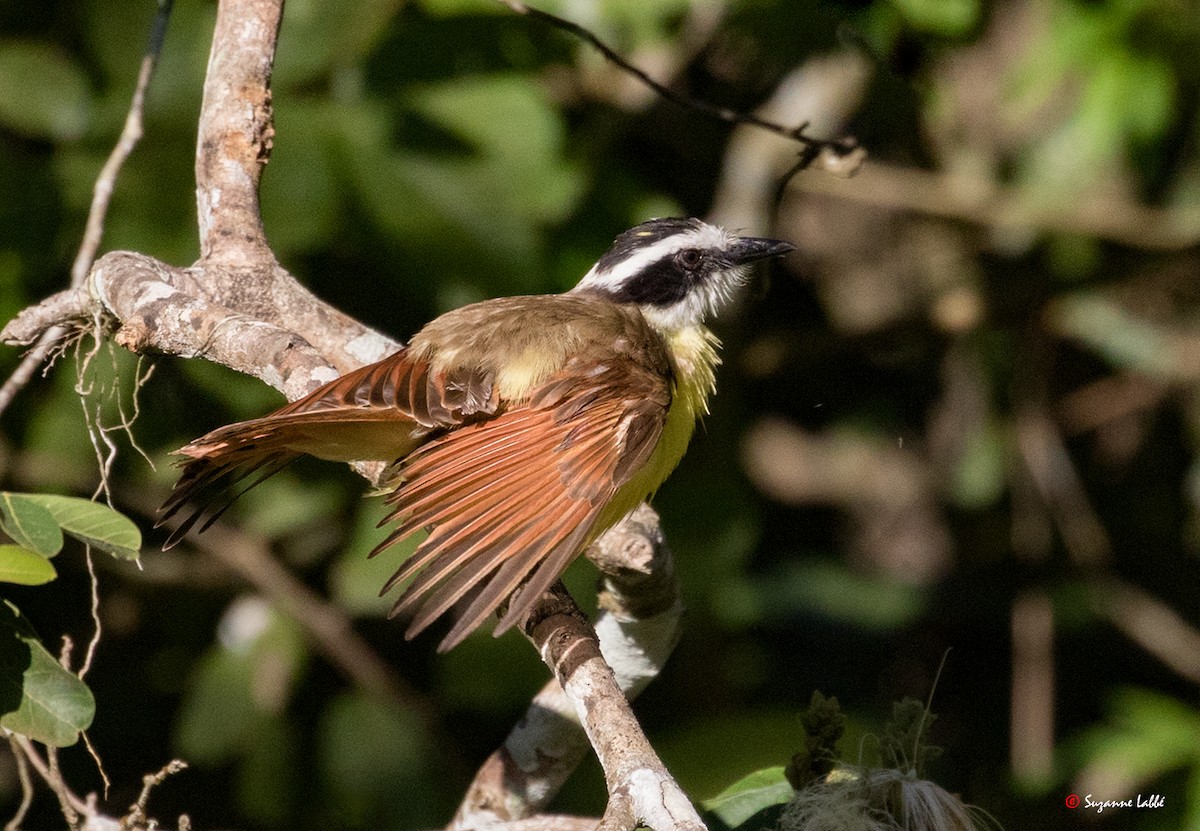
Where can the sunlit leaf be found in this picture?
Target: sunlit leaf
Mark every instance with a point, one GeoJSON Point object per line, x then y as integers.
{"type": "Point", "coordinates": [749, 795]}
{"type": "Point", "coordinates": [24, 567]}
{"type": "Point", "coordinates": [950, 18]}
{"type": "Point", "coordinates": [29, 524]}
{"type": "Point", "coordinates": [510, 121]}
{"type": "Point", "coordinates": [93, 523]}
{"type": "Point", "coordinates": [38, 697]}
{"type": "Point", "coordinates": [42, 92]}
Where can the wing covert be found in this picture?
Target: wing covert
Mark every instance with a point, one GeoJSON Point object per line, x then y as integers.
{"type": "Point", "coordinates": [513, 499]}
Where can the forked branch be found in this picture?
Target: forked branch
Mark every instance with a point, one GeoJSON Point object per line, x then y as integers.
{"type": "Point", "coordinates": [237, 306]}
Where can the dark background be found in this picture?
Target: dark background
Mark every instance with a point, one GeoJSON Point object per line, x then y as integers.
{"type": "Point", "coordinates": [968, 406]}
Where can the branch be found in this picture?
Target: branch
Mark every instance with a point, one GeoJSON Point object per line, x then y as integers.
{"type": "Point", "coordinates": [238, 307]}
{"type": "Point", "coordinates": [236, 134]}
{"type": "Point", "coordinates": [639, 624]}
{"type": "Point", "coordinates": [1150, 623]}
{"type": "Point", "coordinates": [640, 789]}
{"type": "Point", "coordinates": [839, 156]}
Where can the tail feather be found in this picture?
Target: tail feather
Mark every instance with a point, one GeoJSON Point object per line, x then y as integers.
{"type": "Point", "coordinates": [379, 412]}
{"type": "Point", "coordinates": [212, 482]}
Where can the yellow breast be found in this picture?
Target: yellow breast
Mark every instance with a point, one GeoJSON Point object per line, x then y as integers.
{"type": "Point", "coordinates": [693, 353]}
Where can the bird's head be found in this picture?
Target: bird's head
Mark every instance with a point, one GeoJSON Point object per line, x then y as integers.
{"type": "Point", "coordinates": [678, 271]}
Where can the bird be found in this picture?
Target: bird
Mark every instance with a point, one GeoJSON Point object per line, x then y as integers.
{"type": "Point", "coordinates": [516, 430]}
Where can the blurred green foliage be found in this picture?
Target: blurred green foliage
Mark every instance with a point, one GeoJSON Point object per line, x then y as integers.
{"type": "Point", "coordinates": [436, 152]}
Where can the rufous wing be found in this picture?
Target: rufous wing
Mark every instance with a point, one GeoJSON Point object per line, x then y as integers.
{"type": "Point", "coordinates": [511, 500]}
{"type": "Point", "coordinates": [379, 412]}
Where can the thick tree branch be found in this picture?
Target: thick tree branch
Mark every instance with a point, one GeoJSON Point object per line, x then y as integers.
{"type": "Point", "coordinates": [237, 132]}
{"type": "Point", "coordinates": [639, 624]}
{"type": "Point", "coordinates": [237, 306]}
{"type": "Point", "coordinates": [640, 789]}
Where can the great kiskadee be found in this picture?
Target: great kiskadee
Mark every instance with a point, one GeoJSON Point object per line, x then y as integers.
{"type": "Point", "coordinates": [520, 428]}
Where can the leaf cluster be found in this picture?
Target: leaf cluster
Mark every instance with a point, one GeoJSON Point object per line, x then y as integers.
{"type": "Point", "coordinates": [43, 699]}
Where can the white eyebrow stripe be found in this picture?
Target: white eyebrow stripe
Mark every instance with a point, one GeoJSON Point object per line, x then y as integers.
{"type": "Point", "coordinates": [704, 237]}
{"type": "Point", "coordinates": [623, 270]}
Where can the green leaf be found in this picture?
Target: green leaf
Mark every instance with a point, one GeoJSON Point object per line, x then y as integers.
{"type": "Point", "coordinates": [320, 37]}
{"type": "Point", "coordinates": [29, 524]}
{"type": "Point", "coordinates": [25, 567]}
{"type": "Point", "coordinates": [38, 697]}
{"type": "Point", "coordinates": [42, 93]}
{"type": "Point", "coordinates": [749, 795]}
{"type": "Point", "coordinates": [503, 178]}
{"type": "Point", "coordinates": [1146, 735]}
{"type": "Point", "coordinates": [92, 523]}
{"type": "Point", "coordinates": [951, 18]}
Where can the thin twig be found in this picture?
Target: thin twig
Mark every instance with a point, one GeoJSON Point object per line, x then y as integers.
{"type": "Point", "coordinates": [72, 806]}
{"type": "Point", "coordinates": [137, 811]}
{"type": "Point", "coordinates": [101, 196]}
{"type": "Point", "coordinates": [23, 776]}
{"type": "Point", "coordinates": [91, 749]}
{"type": "Point", "coordinates": [811, 148]}
{"type": "Point", "coordinates": [94, 642]}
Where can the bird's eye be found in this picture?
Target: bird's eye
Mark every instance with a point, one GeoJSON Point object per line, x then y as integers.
{"type": "Point", "coordinates": [690, 257]}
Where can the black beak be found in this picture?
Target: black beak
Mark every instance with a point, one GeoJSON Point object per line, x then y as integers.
{"type": "Point", "coordinates": [749, 249]}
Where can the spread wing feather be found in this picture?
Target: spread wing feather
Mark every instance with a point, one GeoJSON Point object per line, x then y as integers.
{"type": "Point", "coordinates": [514, 499]}
{"type": "Point", "coordinates": [511, 490]}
